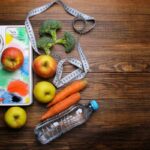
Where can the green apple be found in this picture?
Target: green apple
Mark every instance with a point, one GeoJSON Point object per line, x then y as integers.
{"type": "Point", "coordinates": [44, 91]}
{"type": "Point", "coordinates": [15, 117]}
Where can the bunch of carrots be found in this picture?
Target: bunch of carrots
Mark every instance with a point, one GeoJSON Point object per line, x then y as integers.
{"type": "Point", "coordinates": [65, 98]}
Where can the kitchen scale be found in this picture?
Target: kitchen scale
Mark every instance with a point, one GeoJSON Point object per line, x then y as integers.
{"type": "Point", "coordinates": [16, 87]}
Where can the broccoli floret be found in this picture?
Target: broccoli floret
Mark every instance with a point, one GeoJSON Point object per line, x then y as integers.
{"type": "Point", "coordinates": [50, 27]}
{"type": "Point", "coordinates": [68, 41]}
{"type": "Point", "coordinates": [45, 43]}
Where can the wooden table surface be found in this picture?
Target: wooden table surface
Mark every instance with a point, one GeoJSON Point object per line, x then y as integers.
{"type": "Point", "coordinates": [118, 50]}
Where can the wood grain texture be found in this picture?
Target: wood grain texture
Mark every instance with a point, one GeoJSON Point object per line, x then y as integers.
{"type": "Point", "coordinates": [118, 50]}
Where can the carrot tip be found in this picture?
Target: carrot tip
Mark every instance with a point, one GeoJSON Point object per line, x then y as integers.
{"type": "Point", "coordinates": [49, 105]}
{"type": "Point", "coordinates": [42, 119]}
{"type": "Point", "coordinates": [85, 81]}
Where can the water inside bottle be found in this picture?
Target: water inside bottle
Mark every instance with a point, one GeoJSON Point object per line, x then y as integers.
{"type": "Point", "coordinates": [65, 121]}
{"type": "Point", "coordinates": [60, 124]}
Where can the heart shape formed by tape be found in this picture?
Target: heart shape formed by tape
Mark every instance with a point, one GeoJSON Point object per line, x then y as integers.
{"type": "Point", "coordinates": [82, 69]}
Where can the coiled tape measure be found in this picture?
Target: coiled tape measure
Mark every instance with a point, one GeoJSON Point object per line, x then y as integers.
{"type": "Point", "coordinates": [82, 65]}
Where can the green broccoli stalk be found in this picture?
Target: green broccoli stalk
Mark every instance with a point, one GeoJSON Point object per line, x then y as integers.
{"type": "Point", "coordinates": [50, 27]}
{"type": "Point", "coordinates": [68, 41]}
{"type": "Point", "coordinates": [45, 43]}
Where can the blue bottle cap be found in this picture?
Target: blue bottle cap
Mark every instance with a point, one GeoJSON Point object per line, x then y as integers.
{"type": "Point", "coordinates": [94, 105]}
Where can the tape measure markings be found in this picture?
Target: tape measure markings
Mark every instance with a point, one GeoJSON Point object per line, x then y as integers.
{"type": "Point", "coordinates": [83, 65]}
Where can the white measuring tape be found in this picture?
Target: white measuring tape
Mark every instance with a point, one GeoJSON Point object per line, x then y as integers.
{"type": "Point", "coordinates": [82, 65]}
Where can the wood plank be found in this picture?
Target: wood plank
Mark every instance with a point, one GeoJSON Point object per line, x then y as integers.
{"type": "Point", "coordinates": [115, 85]}
{"type": "Point", "coordinates": [115, 122]}
{"type": "Point", "coordinates": [106, 140]}
{"type": "Point", "coordinates": [102, 6]}
{"type": "Point", "coordinates": [113, 113]}
{"type": "Point", "coordinates": [121, 58]}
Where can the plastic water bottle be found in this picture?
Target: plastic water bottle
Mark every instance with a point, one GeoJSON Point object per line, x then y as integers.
{"type": "Point", "coordinates": [65, 121]}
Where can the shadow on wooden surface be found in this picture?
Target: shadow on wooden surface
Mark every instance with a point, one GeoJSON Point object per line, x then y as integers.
{"type": "Point", "coordinates": [118, 52]}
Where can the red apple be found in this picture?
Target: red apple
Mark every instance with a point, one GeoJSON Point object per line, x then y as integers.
{"type": "Point", "coordinates": [45, 66]}
{"type": "Point", "coordinates": [12, 58]}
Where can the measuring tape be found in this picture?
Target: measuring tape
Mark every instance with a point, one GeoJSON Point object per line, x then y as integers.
{"type": "Point", "coordinates": [82, 64]}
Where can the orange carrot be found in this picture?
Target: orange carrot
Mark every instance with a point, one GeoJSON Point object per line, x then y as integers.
{"type": "Point", "coordinates": [74, 87]}
{"type": "Point", "coordinates": [61, 106]}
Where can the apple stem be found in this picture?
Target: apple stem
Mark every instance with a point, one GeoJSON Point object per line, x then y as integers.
{"type": "Point", "coordinates": [16, 117]}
